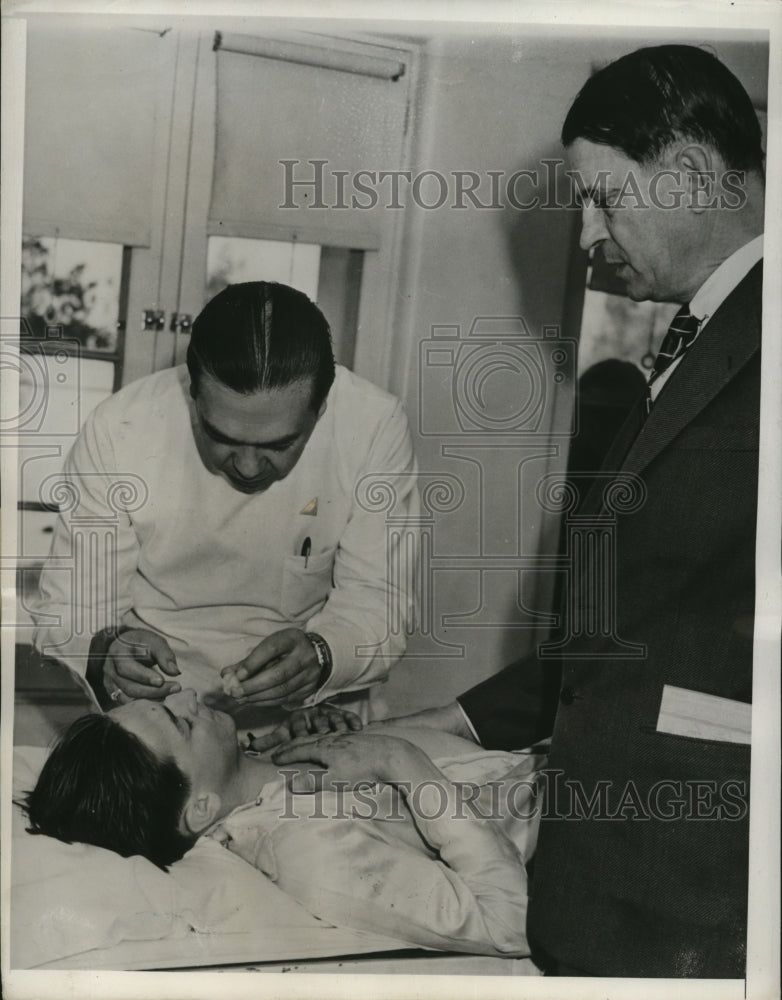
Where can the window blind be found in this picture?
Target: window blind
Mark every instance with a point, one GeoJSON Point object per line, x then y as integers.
{"type": "Point", "coordinates": [91, 105]}
{"type": "Point", "coordinates": [291, 139]}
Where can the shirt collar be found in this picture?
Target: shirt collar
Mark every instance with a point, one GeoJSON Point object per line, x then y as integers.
{"type": "Point", "coordinates": [720, 283]}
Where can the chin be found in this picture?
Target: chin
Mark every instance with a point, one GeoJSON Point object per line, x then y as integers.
{"type": "Point", "coordinates": [249, 489]}
{"type": "Point", "coordinates": [640, 289]}
{"type": "Point", "coordinates": [638, 292]}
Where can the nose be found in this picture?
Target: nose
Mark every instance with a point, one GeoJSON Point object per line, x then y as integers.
{"type": "Point", "coordinates": [593, 228]}
{"type": "Point", "coordinates": [183, 701]}
{"type": "Point", "coordinates": [249, 463]}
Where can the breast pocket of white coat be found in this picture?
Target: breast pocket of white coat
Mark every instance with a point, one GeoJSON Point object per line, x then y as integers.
{"type": "Point", "coordinates": [305, 587]}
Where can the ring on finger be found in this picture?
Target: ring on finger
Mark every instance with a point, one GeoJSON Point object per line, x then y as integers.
{"type": "Point", "coordinates": [115, 695]}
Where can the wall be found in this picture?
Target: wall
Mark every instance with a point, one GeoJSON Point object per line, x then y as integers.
{"type": "Point", "coordinates": [496, 103]}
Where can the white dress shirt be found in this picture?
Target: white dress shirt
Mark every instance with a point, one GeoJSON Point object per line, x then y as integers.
{"type": "Point", "coordinates": [713, 292]}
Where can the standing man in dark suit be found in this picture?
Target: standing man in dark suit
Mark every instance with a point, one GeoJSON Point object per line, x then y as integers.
{"type": "Point", "coordinates": [641, 867]}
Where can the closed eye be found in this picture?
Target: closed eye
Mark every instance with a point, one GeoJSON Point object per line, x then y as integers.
{"type": "Point", "coordinates": [178, 719]}
{"type": "Point", "coordinates": [278, 449]}
{"type": "Point", "coordinates": [281, 444]}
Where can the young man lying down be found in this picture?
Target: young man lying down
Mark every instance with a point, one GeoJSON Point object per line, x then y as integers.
{"type": "Point", "coordinates": [372, 834]}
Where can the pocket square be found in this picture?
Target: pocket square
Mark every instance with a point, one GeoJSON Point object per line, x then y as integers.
{"type": "Point", "coordinates": [704, 716]}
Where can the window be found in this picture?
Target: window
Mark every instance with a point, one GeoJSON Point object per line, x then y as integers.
{"type": "Point", "coordinates": [330, 276]}
{"type": "Point", "coordinates": [75, 285]}
{"type": "Point", "coordinates": [71, 339]}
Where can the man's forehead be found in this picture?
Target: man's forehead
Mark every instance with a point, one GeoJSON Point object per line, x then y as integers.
{"type": "Point", "coordinates": [143, 718]}
{"type": "Point", "coordinates": [123, 712]}
{"type": "Point", "coordinates": [291, 395]}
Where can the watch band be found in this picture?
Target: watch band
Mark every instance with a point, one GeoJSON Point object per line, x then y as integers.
{"type": "Point", "coordinates": [325, 662]}
{"type": "Point", "coordinates": [323, 654]}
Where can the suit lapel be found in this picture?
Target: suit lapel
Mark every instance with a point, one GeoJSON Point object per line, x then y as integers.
{"type": "Point", "coordinates": [729, 340]}
{"type": "Point", "coordinates": [727, 343]}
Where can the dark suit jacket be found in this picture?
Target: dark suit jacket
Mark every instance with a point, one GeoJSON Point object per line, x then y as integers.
{"type": "Point", "coordinates": [638, 894]}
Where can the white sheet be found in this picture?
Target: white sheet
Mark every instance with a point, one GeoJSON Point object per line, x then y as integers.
{"type": "Point", "coordinates": [74, 905]}
{"type": "Point", "coordinates": [78, 906]}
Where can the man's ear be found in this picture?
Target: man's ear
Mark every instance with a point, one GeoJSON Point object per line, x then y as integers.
{"type": "Point", "coordinates": [322, 409]}
{"type": "Point", "coordinates": [699, 165]}
{"type": "Point", "coordinates": [201, 811]}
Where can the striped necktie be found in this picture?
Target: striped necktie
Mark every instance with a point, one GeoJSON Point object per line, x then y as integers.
{"type": "Point", "coordinates": [680, 336]}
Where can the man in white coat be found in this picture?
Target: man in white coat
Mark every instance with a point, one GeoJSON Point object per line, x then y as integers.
{"type": "Point", "coordinates": [241, 561]}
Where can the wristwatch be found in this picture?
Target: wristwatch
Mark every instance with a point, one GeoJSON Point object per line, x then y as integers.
{"type": "Point", "coordinates": [325, 662]}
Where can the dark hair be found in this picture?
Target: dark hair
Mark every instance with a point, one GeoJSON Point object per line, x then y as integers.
{"type": "Point", "coordinates": [101, 785]}
{"type": "Point", "coordinates": [262, 335]}
{"type": "Point", "coordinates": [647, 100]}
